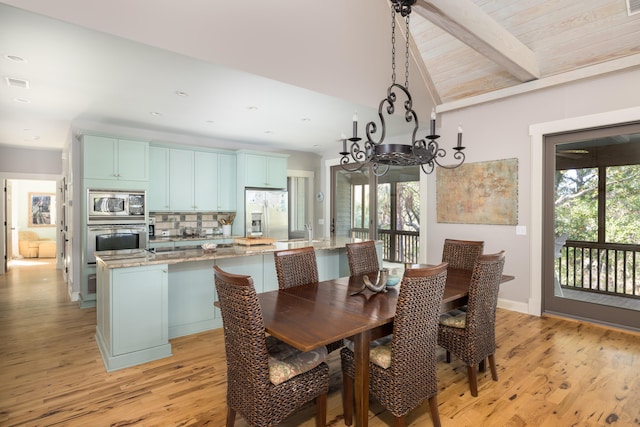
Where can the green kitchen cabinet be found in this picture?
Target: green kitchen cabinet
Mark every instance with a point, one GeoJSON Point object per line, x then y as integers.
{"type": "Point", "coordinates": [132, 314]}
{"type": "Point", "coordinates": [115, 159]}
{"type": "Point", "coordinates": [205, 181]}
{"type": "Point", "coordinates": [265, 171]}
{"type": "Point", "coordinates": [158, 195]}
{"type": "Point", "coordinates": [227, 187]}
{"type": "Point", "coordinates": [181, 180]}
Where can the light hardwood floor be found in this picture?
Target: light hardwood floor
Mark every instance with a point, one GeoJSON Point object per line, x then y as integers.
{"type": "Point", "coordinates": [552, 372]}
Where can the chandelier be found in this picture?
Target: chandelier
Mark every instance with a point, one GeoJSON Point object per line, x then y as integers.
{"type": "Point", "coordinates": [423, 152]}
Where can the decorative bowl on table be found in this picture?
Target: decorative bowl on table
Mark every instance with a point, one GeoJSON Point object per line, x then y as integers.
{"type": "Point", "coordinates": [209, 247]}
{"type": "Point", "coordinates": [392, 281]}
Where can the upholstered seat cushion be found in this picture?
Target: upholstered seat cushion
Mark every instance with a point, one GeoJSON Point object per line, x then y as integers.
{"type": "Point", "coordinates": [379, 351]}
{"type": "Point", "coordinates": [285, 361]}
{"type": "Point", "coordinates": [455, 318]}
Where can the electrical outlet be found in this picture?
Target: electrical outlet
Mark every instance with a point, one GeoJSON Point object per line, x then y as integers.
{"type": "Point", "coordinates": [165, 234]}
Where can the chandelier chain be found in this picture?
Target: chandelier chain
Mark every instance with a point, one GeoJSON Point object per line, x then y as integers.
{"type": "Point", "coordinates": [406, 55]}
{"type": "Point", "coordinates": [393, 45]}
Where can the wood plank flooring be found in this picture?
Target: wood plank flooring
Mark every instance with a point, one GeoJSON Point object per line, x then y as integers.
{"type": "Point", "coordinates": [552, 372]}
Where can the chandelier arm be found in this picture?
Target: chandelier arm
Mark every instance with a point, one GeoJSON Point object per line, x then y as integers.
{"type": "Point", "coordinates": [458, 155]}
{"type": "Point", "coordinates": [378, 171]}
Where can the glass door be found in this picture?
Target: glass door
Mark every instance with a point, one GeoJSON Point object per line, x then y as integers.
{"type": "Point", "coordinates": [353, 203]}
{"type": "Point", "coordinates": [591, 262]}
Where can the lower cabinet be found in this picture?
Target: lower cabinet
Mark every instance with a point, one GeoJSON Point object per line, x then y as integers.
{"type": "Point", "coordinates": [132, 315]}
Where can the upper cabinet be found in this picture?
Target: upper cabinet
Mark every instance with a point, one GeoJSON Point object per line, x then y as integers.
{"type": "Point", "coordinates": [191, 180]}
{"type": "Point", "coordinates": [158, 194]}
{"type": "Point", "coordinates": [263, 170]}
{"type": "Point", "coordinates": [115, 159]}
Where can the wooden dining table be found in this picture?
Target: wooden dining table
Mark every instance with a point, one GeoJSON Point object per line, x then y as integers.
{"type": "Point", "coordinates": [317, 314]}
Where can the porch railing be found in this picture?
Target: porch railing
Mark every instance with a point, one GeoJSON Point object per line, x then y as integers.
{"type": "Point", "coordinates": [606, 268]}
{"type": "Point", "coordinates": [397, 246]}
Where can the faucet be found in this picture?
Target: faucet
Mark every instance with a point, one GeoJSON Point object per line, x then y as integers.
{"type": "Point", "coordinates": [309, 231]}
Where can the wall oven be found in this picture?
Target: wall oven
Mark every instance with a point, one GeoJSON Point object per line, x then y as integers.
{"type": "Point", "coordinates": [114, 237]}
{"type": "Point", "coordinates": [115, 207]}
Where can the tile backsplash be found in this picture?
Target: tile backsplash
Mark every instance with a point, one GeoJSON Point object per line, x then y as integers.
{"type": "Point", "coordinates": [188, 223]}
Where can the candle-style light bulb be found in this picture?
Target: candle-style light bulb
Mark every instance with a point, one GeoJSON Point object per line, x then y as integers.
{"type": "Point", "coordinates": [433, 122]}
{"type": "Point", "coordinates": [343, 138]}
{"type": "Point", "coordinates": [459, 136]}
{"type": "Point", "coordinates": [355, 124]}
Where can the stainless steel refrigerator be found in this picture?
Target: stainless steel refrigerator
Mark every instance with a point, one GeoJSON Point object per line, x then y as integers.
{"type": "Point", "coordinates": [266, 213]}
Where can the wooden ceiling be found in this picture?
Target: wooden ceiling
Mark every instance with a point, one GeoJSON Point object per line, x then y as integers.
{"type": "Point", "coordinates": [473, 47]}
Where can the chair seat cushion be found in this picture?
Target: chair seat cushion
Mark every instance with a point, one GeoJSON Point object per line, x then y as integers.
{"type": "Point", "coordinates": [379, 351]}
{"type": "Point", "coordinates": [285, 361]}
{"type": "Point", "coordinates": [455, 318]}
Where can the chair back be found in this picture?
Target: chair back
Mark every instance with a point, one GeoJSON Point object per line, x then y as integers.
{"type": "Point", "coordinates": [244, 337]}
{"type": "Point", "coordinates": [483, 300]}
{"type": "Point", "coordinates": [415, 330]}
{"type": "Point", "coordinates": [461, 253]}
{"type": "Point", "coordinates": [296, 267]}
{"type": "Point", "coordinates": [362, 257]}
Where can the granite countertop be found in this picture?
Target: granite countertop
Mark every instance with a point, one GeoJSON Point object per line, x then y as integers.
{"type": "Point", "coordinates": [138, 257]}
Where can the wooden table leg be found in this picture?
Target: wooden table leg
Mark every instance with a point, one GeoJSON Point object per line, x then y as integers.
{"type": "Point", "coordinates": [361, 380]}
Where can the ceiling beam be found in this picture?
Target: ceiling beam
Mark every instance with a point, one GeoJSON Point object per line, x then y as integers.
{"type": "Point", "coordinates": [469, 24]}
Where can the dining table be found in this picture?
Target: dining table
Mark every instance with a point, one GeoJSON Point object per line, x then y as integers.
{"type": "Point", "coordinates": [320, 313]}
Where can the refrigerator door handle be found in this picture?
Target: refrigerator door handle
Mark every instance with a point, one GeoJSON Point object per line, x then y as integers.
{"type": "Point", "coordinates": [265, 215]}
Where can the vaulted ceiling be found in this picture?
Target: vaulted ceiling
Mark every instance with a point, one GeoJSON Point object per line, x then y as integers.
{"type": "Point", "coordinates": [283, 75]}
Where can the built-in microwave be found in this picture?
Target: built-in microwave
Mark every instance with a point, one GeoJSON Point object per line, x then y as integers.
{"type": "Point", "coordinates": [111, 207]}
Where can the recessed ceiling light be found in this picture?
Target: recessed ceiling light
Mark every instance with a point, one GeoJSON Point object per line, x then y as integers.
{"type": "Point", "coordinates": [15, 58]}
{"type": "Point", "coordinates": [210, 121]}
{"type": "Point", "coordinates": [252, 108]}
{"type": "Point", "coordinates": [181, 93]}
{"type": "Point", "coordinates": [17, 82]}
{"type": "Point", "coordinates": [22, 100]}
{"type": "Point", "coordinates": [155, 113]}
{"type": "Point", "coordinates": [306, 119]}
{"type": "Point", "coordinates": [268, 131]}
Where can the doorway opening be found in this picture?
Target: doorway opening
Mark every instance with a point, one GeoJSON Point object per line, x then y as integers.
{"type": "Point", "coordinates": [31, 214]}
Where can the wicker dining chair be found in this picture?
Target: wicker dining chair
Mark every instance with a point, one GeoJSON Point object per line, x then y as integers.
{"type": "Point", "coordinates": [257, 388]}
{"type": "Point", "coordinates": [402, 367]}
{"type": "Point", "coordinates": [297, 267]}
{"type": "Point", "coordinates": [362, 257]}
{"type": "Point", "coordinates": [469, 332]}
{"type": "Point", "coordinates": [461, 253]}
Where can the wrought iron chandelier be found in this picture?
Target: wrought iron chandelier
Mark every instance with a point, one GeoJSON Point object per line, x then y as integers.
{"type": "Point", "coordinates": [424, 152]}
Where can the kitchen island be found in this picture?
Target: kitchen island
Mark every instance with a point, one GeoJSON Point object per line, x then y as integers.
{"type": "Point", "coordinates": [144, 299]}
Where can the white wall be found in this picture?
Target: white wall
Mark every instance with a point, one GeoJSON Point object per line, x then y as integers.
{"type": "Point", "coordinates": [501, 130]}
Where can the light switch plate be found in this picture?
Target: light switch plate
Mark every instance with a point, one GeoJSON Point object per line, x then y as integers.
{"type": "Point", "coordinates": [521, 230]}
{"type": "Point", "coordinates": [321, 221]}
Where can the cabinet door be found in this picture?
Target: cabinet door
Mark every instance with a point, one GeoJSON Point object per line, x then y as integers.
{"type": "Point", "coordinates": [227, 188]}
{"type": "Point", "coordinates": [181, 180]}
{"type": "Point", "coordinates": [158, 196]}
{"type": "Point", "coordinates": [139, 308]}
{"type": "Point", "coordinates": [206, 181]}
{"type": "Point", "coordinates": [99, 157]}
{"type": "Point", "coordinates": [133, 160]}
{"type": "Point", "coordinates": [256, 171]}
{"type": "Point", "coordinates": [276, 172]}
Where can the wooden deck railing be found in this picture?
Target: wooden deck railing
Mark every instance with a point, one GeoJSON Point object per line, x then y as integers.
{"type": "Point", "coordinates": [397, 246]}
{"type": "Point", "coordinates": [608, 268]}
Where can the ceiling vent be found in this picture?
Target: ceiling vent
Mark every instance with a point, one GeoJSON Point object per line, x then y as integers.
{"type": "Point", "coordinates": [15, 82]}
{"type": "Point", "coordinates": [633, 7]}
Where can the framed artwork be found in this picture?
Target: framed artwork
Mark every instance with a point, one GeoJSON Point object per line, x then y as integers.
{"type": "Point", "coordinates": [478, 193]}
{"type": "Point", "coordinates": [42, 209]}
